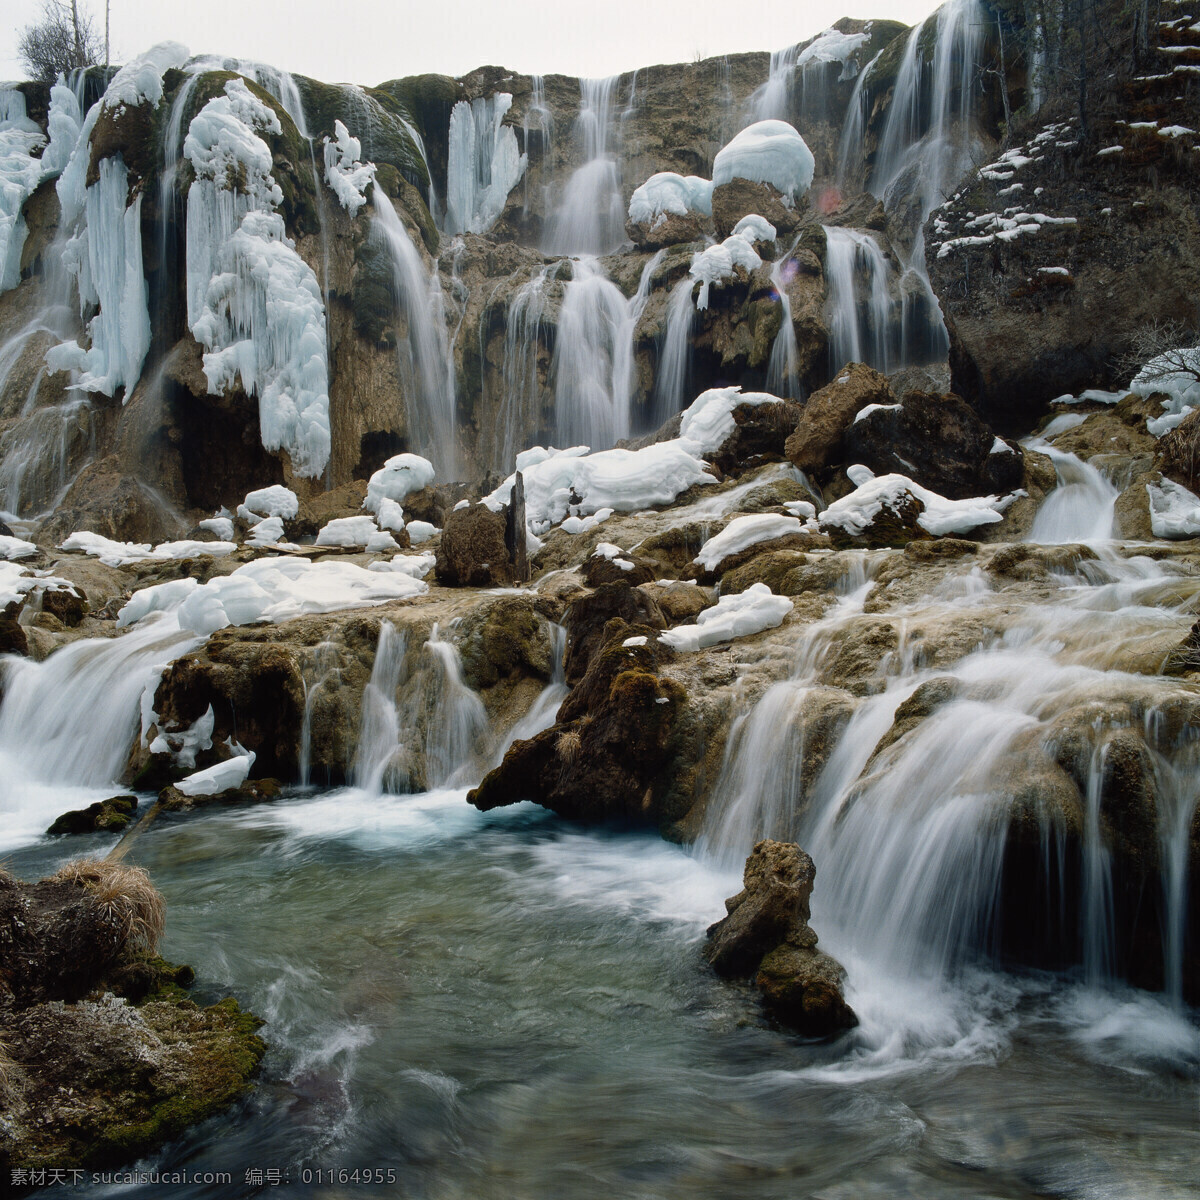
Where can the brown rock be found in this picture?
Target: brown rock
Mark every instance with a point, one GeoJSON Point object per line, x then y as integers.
{"type": "Point", "coordinates": [818, 440]}
{"type": "Point", "coordinates": [472, 551]}
{"type": "Point", "coordinates": [671, 229]}
{"type": "Point", "coordinates": [739, 197]}
{"type": "Point", "coordinates": [587, 617]}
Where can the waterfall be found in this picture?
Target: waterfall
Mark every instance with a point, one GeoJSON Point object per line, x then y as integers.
{"type": "Point", "coordinates": [772, 100]}
{"type": "Point", "coordinates": [41, 453]}
{"type": "Point", "coordinates": [926, 147]}
{"type": "Point", "coordinates": [593, 356]}
{"type": "Point", "coordinates": [539, 121]}
{"type": "Point", "coordinates": [67, 725]}
{"type": "Point", "coordinates": [426, 370]}
{"type": "Point", "coordinates": [783, 367]}
{"type": "Point", "coordinates": [521, 405]}
{"type": "Point", "coordinates": [675, 357]}
{"type": "Point", "coordinates": [910, 832]}
{"type": "Point", "coordinates": [860, 300]}
{"type": "Point", "coordinates": [590, 217]}
{"type": "Point", "coordinates": [851, 144]}
{"type": "Point", "coordinates": [1080, 509]}
{"type": "Point", "coordinates": [421, 726]}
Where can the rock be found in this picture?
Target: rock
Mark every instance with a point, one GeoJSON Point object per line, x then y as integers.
{"type": "Point", "coordinates": [598, 569]}
{"type": "Point", "coordinates": [587, 618]}
{"type": "Point", "coordinates": [12, 634]}
{"type": "Point", "coordinates": [253, 791]}
{"type": "Point", "coordinates": [670, 229]}
{"type": "Point", "coordinates": [1131, 511]}
{"type": "Point", "coordinates": [894, 524]}
{"type": "Point", "coordinates": [68, 604]}
{"type": "Point", "coordinates": [509, 637]}
{"type": "Point", "coordinates": [740, 197]}
{"type": "Point", "coordinates": [435, 503]}
{"type": "Point", "coordinates": [939, 442]}
{"type": "Point", "coordinates": [472, 551]}
{"type": "Point", "coordinates": [1185, 658]}
{"type": "Point", "coordinates": [607, 756]}
{"type": "Point", "coordinates": [680, 603]}
{"type": "Point", "coordinates": [817, 443]}
{"type": "Point", "coordinates": [773, 566]}
{"type": "Point", "coordinates": [766, 935]}
{"type": "Point", "coordinates": [105, 816]}
{"type": "Point", "coordinates": [761, 434]}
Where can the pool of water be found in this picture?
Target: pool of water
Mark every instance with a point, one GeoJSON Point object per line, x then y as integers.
{"type": "Point", "coordinates": [506, 1005]}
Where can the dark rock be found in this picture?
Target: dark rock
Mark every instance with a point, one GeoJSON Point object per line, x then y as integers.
{"type": "Point", "coordinates": [12, 636]}
{"type": "Point", "coordinates": [1185, 658]}
{"type": "Point", "coordinates": [107, 816]}
{"type": "Point", "coordinates": [253, 791]}
{"type": "Point", "coordinates": [739, 197]}
{"type": "Point", "coordinates": [817, 442]}
{"type": "Point", "coordinates": [939, 442]}
{"type": "Point", "coordinates": [598, 570]}
{"type": "Point", "coordinates": [761, 435]}
{"type": "Point", "coordinates": [68, 604]}
{"type": "Point", "coordinates": [473, 551]}
{"type": "Point", "coordinates": [670, 229]}
{"type": "Point", "coordinates": [766, 935]}
{"type": "Point", "coordinates": [587, 617]}
{"type": "Point", "coordinates": [1179, 452]}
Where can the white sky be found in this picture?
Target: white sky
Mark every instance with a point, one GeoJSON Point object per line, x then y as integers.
{"type": "Point", "coordinates": [368, 41]}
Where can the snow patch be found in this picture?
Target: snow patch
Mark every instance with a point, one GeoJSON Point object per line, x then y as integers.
{"type": "Point", "coordinates": [744, 532]}
{"type": "Point", "coordinates": [743, 615]}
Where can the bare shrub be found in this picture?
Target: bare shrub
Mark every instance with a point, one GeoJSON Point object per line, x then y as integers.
{"type": "Point", "coordinates": [131, 903]}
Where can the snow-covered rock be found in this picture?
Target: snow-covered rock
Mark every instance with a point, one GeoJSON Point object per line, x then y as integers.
{"type": "Point", "coordinates": [744, 532]}
{"type": "Point", "coordinates": [767, 152]}
{"type": "Point", "coordinates": [742, 615]}
{"type": "Point", "coordinates": [668, 192]}
{"type": "Point", "coordinates": [398, 478]}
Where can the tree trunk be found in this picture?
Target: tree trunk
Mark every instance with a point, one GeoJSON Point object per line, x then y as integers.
{"type": "Point", "coordinates": [79, 55]}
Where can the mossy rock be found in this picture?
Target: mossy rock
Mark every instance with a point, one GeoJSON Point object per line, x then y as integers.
{"type": "Point", "coordinates": [105, 816]}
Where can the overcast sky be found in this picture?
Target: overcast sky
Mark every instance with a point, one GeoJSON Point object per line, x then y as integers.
{"type": "Point", "coordinates": [368, 41]}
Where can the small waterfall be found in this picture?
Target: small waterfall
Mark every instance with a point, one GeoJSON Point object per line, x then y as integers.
{"type": "Point", "coordinates": [590, 217]}
{"type": "Point", "coordinates": [542, 712]}
{"type": "Point", "coordinates": [421, 726]}
{"type": "Point", "coordinates": [860, 300]}
{"type": "Point", "coordinates": [593, 356]}
{"type": "Point", "coordinates": [675, 357]}
{"type": "Point", "coordinates": [538, 128]}
{"type": "Point", "coordinates": [321, 669]}
{"type": "Point", "coordinates": [424, 353]}
{"type": "Point", "coordinates": [1098, 950]}
{"type": "Point", "coordinates": [1080, 509]}
{"type": "Point", "coordinates": [783, 367]}
{"type": "Point", "coordinates": [524, 336]}
{"type": "Point", "coordinates": [67, 725]}
{"type": "Point", "coordinates": [772, 101]}
{"type": "Point", "coordinates": [41, 453]}
{"type": "Point", "coordinates": [850, 147]}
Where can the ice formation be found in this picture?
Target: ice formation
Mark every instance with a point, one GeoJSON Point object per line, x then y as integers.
{"type": "Point", "coordinates": [345, 172]}
{"type": "Point", "coordinates": [742, 615]}
{"type": "Point", "coordinates": [767, 152]}
{"type": "Point", "coordinates": [743, 532]}
{"type": "Point", "coordinates": [713, 266]}
{"type": "Point", "coordinates": [274, 501]}
{"type": "Point", "coordinates": [1174, 510]}
{"type": "Point", "coordinates": [484, 165]}
{"type": "Point", "coordinates": [833, 46]}
{"type": "Point", "coordinates": [269, 589]}
{"type": "Point", "coordinates": [708, 421]}
{"type": "Point", "coordinates": [669, 192]}
{"type": "Point", "coordinates": [230, 773]}
{"type": "Point", "coordinates": [755, 229]}
{"type": "Point", "coordinates": [1176, 376]}
{"type": "Point", "coordinates": [20, 173]}
{"type": "Point", "coordinates": [253, 303]}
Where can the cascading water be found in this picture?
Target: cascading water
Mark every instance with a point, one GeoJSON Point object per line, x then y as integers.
{"type": "Point", "coordinates": [783, 367]}
{"type": "Point", "coordinates": [424, 352]}
{"type": "Point", "coordinates": [860, 302]}
{"type": "Point", "coordinates": [524, 336]}
{"type": "Point", "coordinates": [593, 356]}
{"type": "Point", "coordinates": [590, 217]}
{"type": "Point", "coordinates": [675, 357]}
{"type": "Point", "coordinates": [538, 128]}
{"type": "Point", "coordinates": [485, 164]}
{"type": "Point", "coordinates": [1080, 509]}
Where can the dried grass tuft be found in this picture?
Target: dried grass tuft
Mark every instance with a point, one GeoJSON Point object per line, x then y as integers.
{"type": "Point", "coordinates": [568, 745]}
{"type": "Point", "coordinates": [131, 903]}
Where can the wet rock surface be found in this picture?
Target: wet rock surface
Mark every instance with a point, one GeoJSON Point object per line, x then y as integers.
{"type": "Point", "coordinates": [766, 936]}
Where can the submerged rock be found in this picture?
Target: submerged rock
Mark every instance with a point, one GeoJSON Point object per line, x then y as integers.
{"type": "Point", "coordinates": [107, 816]}
{"type": "Point", "coordinates": [766, 935]}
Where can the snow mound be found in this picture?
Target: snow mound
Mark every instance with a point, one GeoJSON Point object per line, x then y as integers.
{"type": "Point", "coordinates": [117, 554]}
{"type": "Point", "coordinates": [397, 479]}
{"type": "Point", "coordinates": [708, 421]}
{"type": "Point", "coordinates": [767, 152]}
{"type": "Point", "coordinates": [668, 192]}
{"type": "Point", "coordinates": [744, 532]}
{"type": "Point", "coordinates": [1174, 511]}
{"type": "Point", "coordinates": [755, 229]}
{"type": "Point", "coordinates": [748, 613]}
{"type": "Point", "coordinates": [348, 531]}
{"type": "Point", "coordinates": [856, 512]}
{"type": "Point", "coordinates": [15, 547]}
{"type": "Point", "coordinates": [274, 501]}
{"type": "Point", "coordinates": [272, 590]}
{"type": "Point", "coordinates": [231, 773]}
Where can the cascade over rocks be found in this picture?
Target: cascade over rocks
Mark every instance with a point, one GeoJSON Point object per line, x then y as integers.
{"type": "Point", "coordinates": [766, 936]}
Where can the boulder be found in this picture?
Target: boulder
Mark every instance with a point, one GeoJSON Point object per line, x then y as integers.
{"type": "Point", "coordinates": [105, 816]}
{"type": "Point", "coordinates": [253, 791]}
{"type": "Point", "coordinates": [586, 620]}
{"type": "Point", "coordinates": [740, 197]}
{"type": "Point", "coordinates": [68, 604]}
{"type": "Point", "coordinates": [472, 551]}
{"type": "Point", "coordinates": [599, 569]}
{"type": "Point", "coordinates": [670, 229]}
{"type": "Point", "coordinates": [817, 442]}
{"type": "Point", "coordinates": [13, 639]}
{"type": "Point", "coordinates": [761, 433]}
{"type": "Point", "coordinates": [766, 935]}
{"type": "Point", "coordinates": [938, 441]}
